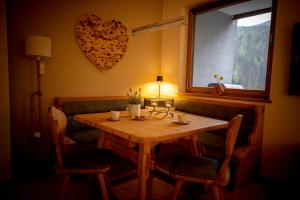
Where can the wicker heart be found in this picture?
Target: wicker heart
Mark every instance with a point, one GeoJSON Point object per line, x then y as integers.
{"type": "Point", "coordinates": [103, 42]}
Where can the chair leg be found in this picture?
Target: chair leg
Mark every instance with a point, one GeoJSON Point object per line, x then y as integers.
{"type": "Point", "coordinates": [217, 192]}
{"type": "Point", "coordinates": [107, 181]}
{"type": "Point", "coordinates": [177, 189]}
{"type": "Point", "coordinates": [103, 186]}
{"type": "Point", "coordinates": [65, 182]}
{"type": "Point", "coordinates": [149, 185]}
{"type": "Point", "coordinates": [206, 187]}
{"type": "Point", "coordinates": [221, 192]}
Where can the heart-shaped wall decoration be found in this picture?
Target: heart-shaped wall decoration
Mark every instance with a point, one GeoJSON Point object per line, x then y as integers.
{"type": "Point", "coordinates": [103, 42]}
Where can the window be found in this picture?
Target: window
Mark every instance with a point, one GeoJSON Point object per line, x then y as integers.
{"type": "Point", "coordinates": [232, 39]}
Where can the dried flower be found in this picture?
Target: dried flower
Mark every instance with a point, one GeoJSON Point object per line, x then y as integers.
{"type": "Point", "coordinates": [218, 77]}
{"type": "Point", "coordinates": [134, 97]}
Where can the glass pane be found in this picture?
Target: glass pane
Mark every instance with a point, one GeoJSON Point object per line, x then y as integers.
{"type": "Point", "coordinates": [251, 51]}
{"type": "Point", "coordinates": [237, 50]}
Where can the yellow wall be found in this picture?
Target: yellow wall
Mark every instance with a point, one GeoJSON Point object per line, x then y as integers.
{"type": "Point", "coordinates": [69, 72]}
{"type": "Point", "coordinates": [281, 142]}
{"type": "Point", "coordinates": [281, 139]}
{"type": "Point", "coordinates": [4, 103]}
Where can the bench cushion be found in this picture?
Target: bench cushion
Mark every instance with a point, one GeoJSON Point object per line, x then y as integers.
{"type": "Point", "coordinates": [84, 136]}
{"type": "Point", "coordinates": [82, 133]}
{"type": "Point", "coordinates": [223, 112]}
{"type": "Point", "coordinates": [196, 167]}
{"type": "Point", "coordinates": [93, 106]}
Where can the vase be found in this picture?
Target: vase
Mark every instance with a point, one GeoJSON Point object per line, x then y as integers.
{"type": "Point", "coordinates": [134, 110]}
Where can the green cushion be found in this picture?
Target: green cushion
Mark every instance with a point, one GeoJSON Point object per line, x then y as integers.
{"type": "Point", "coordinates": [216, 141]}
{"type": "Point", "coordinates": [198, 167]}
{"type": "Point", "coordinates": [213, 141]}
{"type": "Point", "coordinates": [166, 152]}
{"type": "Point", "coordinates": [73, 125]}
{"type": "Point", "coordinates": [84, 136]}
{"type": "Point", "coordinates": [93, 106]}
{"type": "Point", "coordinates": [223, 112]}
{"type": "Point", "coordinates": [88, 106]}
{"type": "Point", "coordinates": [94, 158]}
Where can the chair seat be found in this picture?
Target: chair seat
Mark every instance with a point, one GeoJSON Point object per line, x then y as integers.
{"type": "Point", "coordinates": [166, 153]}
{"type": "Point", "coordinates": [196, 167]}
{"type": "Point", "coordinates": [95, 158]}
{"type": "Point", "coordinates": [85, 159]}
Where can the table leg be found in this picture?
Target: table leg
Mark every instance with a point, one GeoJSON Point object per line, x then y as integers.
{"type": "Point", "coordinates": [143, 170]}
{"type": "Point", "coordinates": [101, 139]}
{"type": "Point", "coordinates": [195, 145]}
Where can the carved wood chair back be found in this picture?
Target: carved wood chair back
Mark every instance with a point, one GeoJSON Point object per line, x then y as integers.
{"type": "Point", "coordinates": [206, 170]}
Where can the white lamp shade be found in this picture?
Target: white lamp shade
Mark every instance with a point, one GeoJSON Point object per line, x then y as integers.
{"type": "Point", "coordinates": [38, 46]}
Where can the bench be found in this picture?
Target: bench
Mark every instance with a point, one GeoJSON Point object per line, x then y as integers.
{"type": "Point", "coordinates": [71, 106]}
{"type": "Point", "coordinates": [245, 159]}
{"type": "Point", "coordinates": [245, 162]}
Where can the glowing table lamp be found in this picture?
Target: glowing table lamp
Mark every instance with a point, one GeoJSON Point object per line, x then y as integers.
{"type": "Point", "coordinates": [159, 79]}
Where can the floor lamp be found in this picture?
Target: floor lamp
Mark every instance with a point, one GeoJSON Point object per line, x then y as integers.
{"type": "Point", "coordinates": [39, 48]}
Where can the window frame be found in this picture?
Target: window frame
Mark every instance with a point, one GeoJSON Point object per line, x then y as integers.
{"type": "Point", "coordinates": [228, 93]}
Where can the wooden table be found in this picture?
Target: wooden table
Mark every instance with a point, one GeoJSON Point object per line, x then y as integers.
{"type": "Point", "coordinates": [149, 132]}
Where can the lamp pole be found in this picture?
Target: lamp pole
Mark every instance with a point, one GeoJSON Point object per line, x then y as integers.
{"type": "Point", "coordinates": [37, 47]}
{"type": "Point", "coordinates": [159, 89]}
{"type": "Point", "coordinates": [36, 128]}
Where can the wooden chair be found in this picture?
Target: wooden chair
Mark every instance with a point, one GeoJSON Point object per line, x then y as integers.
{"type": "Point", "coordinates": [77, 162]}
{"type": "Point", "coordinates": [206, 170]}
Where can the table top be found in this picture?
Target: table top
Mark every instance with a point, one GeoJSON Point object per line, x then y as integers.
{"type": "Point", "coordinates": [152, 129]}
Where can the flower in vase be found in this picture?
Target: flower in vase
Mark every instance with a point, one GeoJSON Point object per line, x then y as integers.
{"type": "Point", "coordinates": [134, 96]}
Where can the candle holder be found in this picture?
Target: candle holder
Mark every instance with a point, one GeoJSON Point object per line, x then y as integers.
{"type": "Point", "coordinates": [165, 111]}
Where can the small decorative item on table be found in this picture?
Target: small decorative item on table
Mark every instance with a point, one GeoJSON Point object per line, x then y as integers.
{"type": "Point", "coordinates": [139, 118]}
{"type": "Point", "coordinates": [134, 100]}
{"type": "Point", "coordinates": [217, 88]}
{"type": "Point", "coordinates": [166, 110]}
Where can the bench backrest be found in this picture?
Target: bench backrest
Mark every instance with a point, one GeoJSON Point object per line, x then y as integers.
{"type": "Point", "coordinates": [82, 105]}
{"type": "Point", "coordinates": [225, 111]}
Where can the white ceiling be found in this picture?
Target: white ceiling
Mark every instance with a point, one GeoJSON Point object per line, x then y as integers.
{"type": "Point", "coordinates": [247, 7]}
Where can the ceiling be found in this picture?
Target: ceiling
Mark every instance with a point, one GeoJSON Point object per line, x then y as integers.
{"type": "Point", "coordinates": [247, 7]}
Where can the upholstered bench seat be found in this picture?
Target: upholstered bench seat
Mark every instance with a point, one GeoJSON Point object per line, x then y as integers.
{"type": "Point", "coordinates": [84, 136]}
{"type": "Point", "coordinates": [77, 131]}
{"type": "Point", "coordinates": [188, 166]}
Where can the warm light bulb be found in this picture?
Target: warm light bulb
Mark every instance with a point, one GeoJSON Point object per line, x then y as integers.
{"type": "Point", "coordinates": [168, 89]}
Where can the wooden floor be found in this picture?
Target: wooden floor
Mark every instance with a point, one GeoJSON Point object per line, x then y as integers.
{"type": "Point", "coordinates": [86, 188]}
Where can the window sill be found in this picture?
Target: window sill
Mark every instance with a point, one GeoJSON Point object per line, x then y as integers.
{"type": "Point", "coordinates": [224, 98]}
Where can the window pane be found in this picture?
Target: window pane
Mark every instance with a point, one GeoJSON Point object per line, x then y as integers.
{"type": "Point", "coordinates": [214, 48]}
{"type": "Point", "coordinates": [234, 49]}
{"type": "Point", "coordinates": [251, 51]}
{"type": "Point", "coordinates": [231, 39]}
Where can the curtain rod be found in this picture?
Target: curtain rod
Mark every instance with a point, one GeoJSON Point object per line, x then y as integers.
{"type": "Point", "coordinates": [165, 24]}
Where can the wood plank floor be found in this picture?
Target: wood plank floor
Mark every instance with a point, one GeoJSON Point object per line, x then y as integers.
{"type": "Point", "coordinates": [85, 188]}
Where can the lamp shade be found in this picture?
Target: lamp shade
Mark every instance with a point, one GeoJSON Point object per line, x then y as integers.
{"type": "Point", "coordinates": [159, 78]}
{"type": "Point", "coordinates": [38, 46]}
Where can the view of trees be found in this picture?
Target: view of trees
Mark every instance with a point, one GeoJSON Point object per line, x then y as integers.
{"type": "Point", "coordinates": [251, 54]}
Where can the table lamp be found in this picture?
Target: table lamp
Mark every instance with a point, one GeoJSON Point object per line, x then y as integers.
{"type": "Point", "coordinates": [37, 47]}
{"type": "Point", "coordinates": [159, 79]}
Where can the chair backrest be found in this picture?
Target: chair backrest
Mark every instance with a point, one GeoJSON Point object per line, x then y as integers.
{"type": "Point", "coordinates": [58, 123]}
{"type": "Point", "coordinates": [231, 135]}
